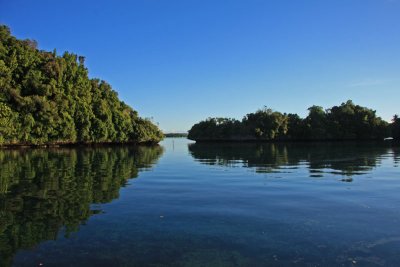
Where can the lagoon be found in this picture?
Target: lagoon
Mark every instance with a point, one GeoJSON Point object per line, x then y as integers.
{"type": "Point", "coordinates": [188, 204]}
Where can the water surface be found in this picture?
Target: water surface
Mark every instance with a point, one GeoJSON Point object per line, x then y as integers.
{"type": "Point", "coordinates": [201, 205]}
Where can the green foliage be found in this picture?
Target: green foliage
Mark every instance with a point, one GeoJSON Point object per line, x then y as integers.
{"type": "Point", "coordinates": [45, 98]}
{"type": "Point", "coordinates": [350, 121]}
{"type": "Point", "coordinates": [215, 129]}
{"type": "Point", "coordinates": [316, 123]}
{"type": "Point", "coordinates": [345, 122]}
{"type": "Point", "coordinates": [266, 124]}
{"type": "Point", "coordinates": [177, 135]}
{"type": "Point", "coordinates": [296, 127]}
{"type": "Point", "coordinates": [45, 190]}
{"type": "Point", "coordinates": [396, 127]}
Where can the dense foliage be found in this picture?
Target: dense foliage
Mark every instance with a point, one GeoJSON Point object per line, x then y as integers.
{"type": "Point", "coordinates": [176, 135]}
{"type": "Point", "coordinates": [396, 127]}
{"type": "Point", "coordinates": [45, 98]}
{"type": "Point", "coordinates": [345, 122]}
{"type": "Point", "coordinates": [43, 191]}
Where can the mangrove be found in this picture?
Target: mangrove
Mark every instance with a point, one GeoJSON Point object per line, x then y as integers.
{"type": "Point", "coordinates": [345, 122]}
{"type": "Point", "coordinates": [46, 98]}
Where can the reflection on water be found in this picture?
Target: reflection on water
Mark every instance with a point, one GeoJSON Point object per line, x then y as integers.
{"type": "Point", "coordinates": [201, 205]}
{"type": "Point", "coordinates": [346, 159]}
{"type": "Point", "coordinates": [43, 191]}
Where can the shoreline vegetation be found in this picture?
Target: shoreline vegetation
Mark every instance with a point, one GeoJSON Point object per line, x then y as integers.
{"type": "Point", "coordinates": [49, 100]}
{"type": "Point", "coordinates": [177, 135]}
{"type": "Point", "coordinates": [77, 144]}
{"type": "Point", "coordinates": [346, 122]}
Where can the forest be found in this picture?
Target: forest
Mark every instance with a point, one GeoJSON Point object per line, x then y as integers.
{"type": "Point", "coordinates": [46, 98]}
{"type": "Point", "coordinates": [347, 121]}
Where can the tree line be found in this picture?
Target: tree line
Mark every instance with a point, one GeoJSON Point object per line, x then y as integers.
{"type": "Point", "coordinates": [347, 121]}
{"type": "Point", "coordinates": [47, 98]}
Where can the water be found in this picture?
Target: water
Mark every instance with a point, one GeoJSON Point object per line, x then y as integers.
{"type": "Point", "coordinates": [185, 204]}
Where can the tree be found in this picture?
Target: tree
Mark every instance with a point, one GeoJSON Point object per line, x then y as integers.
{"type": "Point", "coordinates": [296, 127]}
{"type": "Point", "coordinates": [266, 124]}
{"type": "Point", "coordinates": [350, 121]}
{"type": "Point", "coordinates": [316, 123]}
{"type": "Point", "coordinates": [345, 122]}
{"type": "Point", "coordinates": [45, 98]}
{"type": "Point", "coordinates": [396, 127]}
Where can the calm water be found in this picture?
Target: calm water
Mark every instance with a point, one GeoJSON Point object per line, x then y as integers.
{"type": "Point", "coordinates": [185, 204]}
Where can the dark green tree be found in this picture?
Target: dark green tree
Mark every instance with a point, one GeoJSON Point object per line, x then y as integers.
{"type": "Point", "coordinates": [316, 123]}
{"type": "Point", "coordinates": [396, 127]}
{"type": "Point", "coordinates": [46, 98]}
{"type": "Point", "coordinates": [345, 122]}
{"type": "Point", "coordinates": [350, 121]}
{"type": "Point", "coordinates": [266, 124]}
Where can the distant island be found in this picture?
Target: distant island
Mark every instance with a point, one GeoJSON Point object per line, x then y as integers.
{"type": "Point", "coordinates": [338, 123]}
{"type": "Point", "coordinates": [183, 135]}
{"type": "Point", "coordinates": [49, 99]}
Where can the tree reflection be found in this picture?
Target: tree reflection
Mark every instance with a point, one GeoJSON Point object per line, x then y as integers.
{"type": "Point", "coordinates": [43, 191]}
{"type": "Point", "coordinates": [396, 156]}
{"type": "Point", "coordinates": [346, 159]}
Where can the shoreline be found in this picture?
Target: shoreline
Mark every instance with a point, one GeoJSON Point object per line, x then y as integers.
{"type": "Point", "coordinates": [77, 144]}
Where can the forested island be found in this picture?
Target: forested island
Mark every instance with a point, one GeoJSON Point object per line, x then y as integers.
{"type": "Point", "coordinates": [177, 135]}
{"type": "Point", "coordinates": [338, 123]}
{"type": "Point", "coordinates": [50, 99]}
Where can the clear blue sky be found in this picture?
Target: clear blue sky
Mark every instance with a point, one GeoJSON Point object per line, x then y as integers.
{"type": "Point", "coordinates": [183, 61]}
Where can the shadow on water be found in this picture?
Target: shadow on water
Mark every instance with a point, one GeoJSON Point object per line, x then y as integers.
{"type": "Point", "coordinates": [45, 191]}
{"type": "Point", "coordinates": [346, 159]}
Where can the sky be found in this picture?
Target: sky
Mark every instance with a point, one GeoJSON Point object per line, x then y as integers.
{"type": "Point", "coordinates": [179, 62]}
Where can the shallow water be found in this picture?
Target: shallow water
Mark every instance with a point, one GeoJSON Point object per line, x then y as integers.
{"type": "Point", "coordinates": [201, 205]}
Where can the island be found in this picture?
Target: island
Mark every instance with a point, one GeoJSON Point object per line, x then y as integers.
{"type": "Point", "coordinates": [49, 99]}
{"type": "Point", "coordinates": [346, 122]}
{"type": "Point", "coordinates": [176, 135]}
